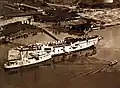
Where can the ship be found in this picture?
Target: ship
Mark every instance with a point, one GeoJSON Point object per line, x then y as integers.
{"type": "Point", "coordinates": [70, 44]}
{"type": "Point", "coordinates": [39, 52]}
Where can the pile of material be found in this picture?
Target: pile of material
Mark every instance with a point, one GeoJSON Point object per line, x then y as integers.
{"type": "Point", "coordinates": [109, 16]}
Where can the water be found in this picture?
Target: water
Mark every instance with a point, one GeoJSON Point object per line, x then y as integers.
{"type": "Point", "coordinates": [44, 77]}
{"type": "Point", "coordinates": [109, 47]}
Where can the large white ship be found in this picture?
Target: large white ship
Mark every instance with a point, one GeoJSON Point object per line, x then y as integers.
{"type": "Point", "coordinates": [70, 45]}
{"type": "Point", "coordinates": [36, 53]}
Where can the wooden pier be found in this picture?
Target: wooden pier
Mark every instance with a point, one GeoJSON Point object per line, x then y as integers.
{"type": "Point", "coordinates": [44, 29]}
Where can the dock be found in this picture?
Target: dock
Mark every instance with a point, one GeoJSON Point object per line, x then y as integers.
{"type": "Point", "coordinates": [43, 27]}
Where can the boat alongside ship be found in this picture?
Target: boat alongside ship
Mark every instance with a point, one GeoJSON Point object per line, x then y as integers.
{"type": "Point", "coordinates": [38, 52]}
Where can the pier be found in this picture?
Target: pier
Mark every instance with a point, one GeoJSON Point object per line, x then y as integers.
{"type": "Point", "coordinates": [44, 29]}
